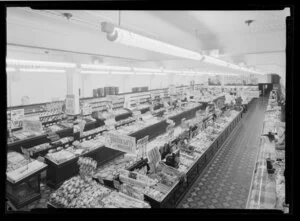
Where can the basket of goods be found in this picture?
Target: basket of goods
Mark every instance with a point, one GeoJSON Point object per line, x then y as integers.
{"type": "Point", "coordinates": [87, 167]}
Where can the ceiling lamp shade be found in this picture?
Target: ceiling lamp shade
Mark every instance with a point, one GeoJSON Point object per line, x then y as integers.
{"type": "Point", "coordinates": [39, 63]}
{"type": "Point", "coordinates": [212, 60]}
{"type": "Point", "coordinates": [42, 70]}
{"type": "Point", "coordinates": [122, 36]}
{"type": "Point", "coordinates": [105, 67]}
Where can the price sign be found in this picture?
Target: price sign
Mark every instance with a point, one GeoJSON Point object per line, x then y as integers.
{"type": "Point", "coordinates": [16, 117]}
{"type": "Point", "coordinates": [110, 121]}
{"type": "Point", "coordinates": [121, 142]}
{"type": "Point", "coordinates": [141, 145]}
{"type": "Point", "coordinates": [81, 126]}
{"type": "Point", "coordinates": [136, 114]}
{"type": "Point", "coordinates": [70, 104]}
{"type": "Point", "coordinates": [32, 124]}
{"type": "Point", "coordinates": [184, 124]}
{"type": "Point", "coordinates": [154, 156]}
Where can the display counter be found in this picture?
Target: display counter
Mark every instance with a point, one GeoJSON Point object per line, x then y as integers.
{"type": "Point", "coordinates": [173, 197]}
{"type": "Point", "coordinates": [25, 188]}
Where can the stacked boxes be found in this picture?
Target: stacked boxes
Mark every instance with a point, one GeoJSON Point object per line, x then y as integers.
{"type": "Point", "coordinates": [139, 89]}
{"type": "Point", "coordinates": [98, 92]}
{"type": "Point", "coordinates": [111, 91]}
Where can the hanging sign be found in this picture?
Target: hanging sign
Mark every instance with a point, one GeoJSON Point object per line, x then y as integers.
{"type": "Point", "coordinates": [16, 117]}
{"type": "Point", "coordinates": [121, 142]}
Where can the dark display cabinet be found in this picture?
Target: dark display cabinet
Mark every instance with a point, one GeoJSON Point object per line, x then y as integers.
{"type": "Point", "coordinates": [24, 191]}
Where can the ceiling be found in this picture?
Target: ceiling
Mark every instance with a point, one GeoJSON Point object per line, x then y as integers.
{"type": "Point", "coordinates": [261, 44]}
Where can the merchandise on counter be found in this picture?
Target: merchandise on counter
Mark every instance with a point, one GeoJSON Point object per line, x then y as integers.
{"type": "Point", "coordinates": [87, 167]}
{"type": "Point", "coordinates": [120, 200]}
{"type": "Point", "coordinates": [15, 160]}
{"type": "Point", "coordinates": [39, 148]}
{"type": "Point", "coordinates": [79, 193]}
{"type": "Point", "coordinates": [136, 179]}
{"type": "Point", "coordinates": [132, 191]}
{"type": "Point", "coordinates": [60, 156]}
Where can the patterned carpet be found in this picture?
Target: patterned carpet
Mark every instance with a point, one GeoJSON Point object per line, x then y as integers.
{"type": "Point", "coordinates": [225, 183]}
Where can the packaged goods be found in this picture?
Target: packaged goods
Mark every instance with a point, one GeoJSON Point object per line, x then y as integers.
{"type": "Point", "coordinates": [15, 160]}
{"type": "Point", "coordinates": [60, 156]}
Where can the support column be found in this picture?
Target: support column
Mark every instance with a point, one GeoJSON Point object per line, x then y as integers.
{"type": "Point", "coordinates": [9, 82]}
{"type": "Point", "coordinates": [73, 87]}
{"type": "Point", "coordinates": [170, 79]}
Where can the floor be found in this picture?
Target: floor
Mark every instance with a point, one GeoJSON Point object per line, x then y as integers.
{"type": "Point", "coordinates": [226, 181]}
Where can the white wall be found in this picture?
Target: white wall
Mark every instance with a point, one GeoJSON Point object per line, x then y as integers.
{"type": "Point", "coordinates": [39, 87]}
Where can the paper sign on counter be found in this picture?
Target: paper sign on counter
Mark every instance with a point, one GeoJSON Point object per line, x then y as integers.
{"type": "Point", "coordinates": [121, 142]}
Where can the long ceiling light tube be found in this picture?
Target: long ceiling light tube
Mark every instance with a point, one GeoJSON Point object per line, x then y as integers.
{"type": "Point", "coordinates": [159, 73]}
{"type": "Point", "coordinates": [104, 67]}
{"type": "Point", "coordinates": [94, 72]}
{"type": "Point", "coordinates": [172, 71]}
{"type": "Point", "coordinates": [212, 60]}
{"type": "Point", "coordinates": [144, 73]}
{"type": "Point", "coordinates": [147, 69]}
{"type": "Point", "coordinates": [42, 70]}
{"type": "Point", "coordinates": [233, 66]}
{"type": "Point", "coordinates": [122, 73]}
{"type": "Point", "coordinates": [122, 36]}
{"type": "Point", "coordinates": [32, 63]}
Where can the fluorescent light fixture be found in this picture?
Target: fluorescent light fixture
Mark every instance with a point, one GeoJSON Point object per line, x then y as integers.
{"type": "Point", "coordinates": [94, 72]}
{"type": "Point", "coordinates": [122, 72]}
{"type": "Point", "coordinates": [42, 70]}
{"type": "Point", "coordinates": [144, 73]}
{"type": "Point", "coordinates": [122, 36]}
{"type": "Point", "coordinates": [212, 60]}
{"type": "Point", "coordinates": [172, 71]}
{"type": "Point", "coordinates": [233, 66]}
{"type": "Point", "coordinates": [147, 69]}
{"type": "Point", "coordinates": [105, 67]}
{"type": "Point", "coordinates": [10, 69]}
{"type": "Point", "coordinates": [189, 72]}
{"type": "Point", "coordinates": [39, 63]}
{"type": "Point", "coordinates": [160, 74]}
